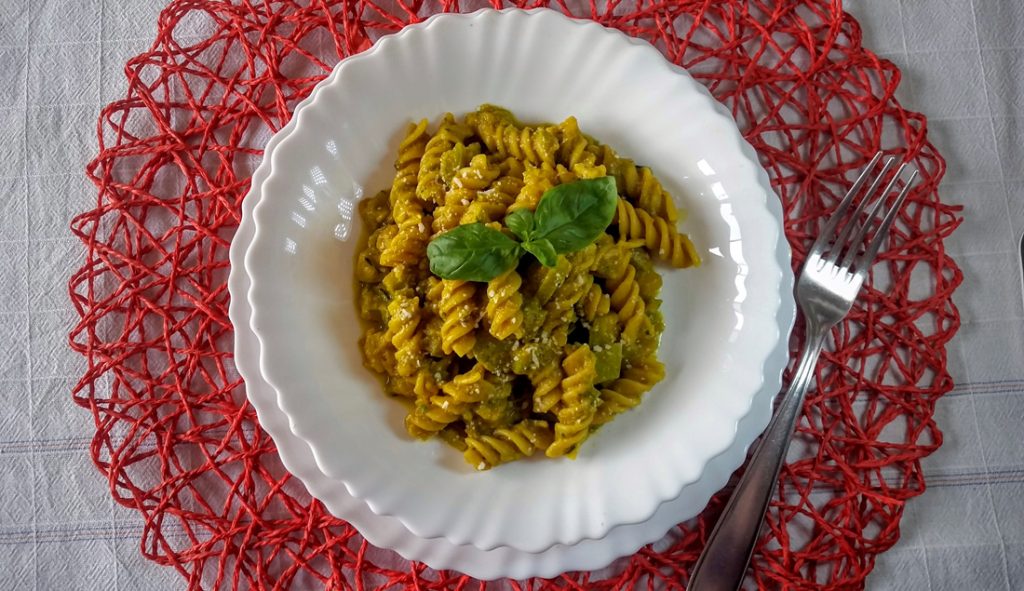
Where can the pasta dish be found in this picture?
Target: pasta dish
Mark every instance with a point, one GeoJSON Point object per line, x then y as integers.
{"type": "Point", "coordinates": [508, 284]}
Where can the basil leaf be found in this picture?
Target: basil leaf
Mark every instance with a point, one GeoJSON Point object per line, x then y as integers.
{"type": "Point", "coordinates": [573, 215]}
{"type": "Point", "coordinates": [543, 250]}
{"type": "Point", "coordinates": [472, 252]}
{"type": "Point", "coordinates": [521, 222]}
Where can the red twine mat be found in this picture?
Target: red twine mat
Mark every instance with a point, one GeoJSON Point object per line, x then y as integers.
{"type": "Point", "coordinates": [179, 444]}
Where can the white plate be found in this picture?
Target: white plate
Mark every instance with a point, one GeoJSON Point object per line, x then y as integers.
{"type": "Point", "coordinates": [720, 330]}
{"type": "Point", "coordinates": [438, 553]}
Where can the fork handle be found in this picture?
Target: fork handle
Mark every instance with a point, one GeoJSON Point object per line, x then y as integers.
{"type": "Point", "coordinates": [722, 565]}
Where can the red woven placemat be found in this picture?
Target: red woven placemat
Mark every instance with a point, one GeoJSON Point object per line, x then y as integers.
{"type": "Point", "coordinates": [177, 441]}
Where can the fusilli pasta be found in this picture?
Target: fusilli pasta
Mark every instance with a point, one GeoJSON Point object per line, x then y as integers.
{"type": "Point", "coordinates": [505, 305]}
{"type": "Point", "coordinates": [579, 402]}
{"type": "Point", "coordinates": [659, 235]}
{"type": "Point", "coordinates": [536, 359]}
{"type": "Point", "coordinates": [523, 439]}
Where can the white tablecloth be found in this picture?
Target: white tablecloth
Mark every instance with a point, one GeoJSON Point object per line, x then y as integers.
{"type": "Point", "coordinates": [963, 65]}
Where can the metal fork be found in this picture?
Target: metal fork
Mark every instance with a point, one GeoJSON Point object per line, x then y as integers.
{"type": "Point", "coordinates": [828, 284]}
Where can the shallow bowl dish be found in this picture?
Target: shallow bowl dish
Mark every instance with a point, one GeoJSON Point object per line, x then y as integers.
{"type": "Point", "coordinates": [722, 319]}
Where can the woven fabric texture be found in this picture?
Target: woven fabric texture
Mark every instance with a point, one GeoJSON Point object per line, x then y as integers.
{"type": "Point", "coordinates": [178, 443]}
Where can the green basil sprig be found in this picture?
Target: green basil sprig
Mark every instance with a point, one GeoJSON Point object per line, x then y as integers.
{"type": "Point", "coordinates": [568, 218]}
{"type": "Point", "coordinates": [473, 252]}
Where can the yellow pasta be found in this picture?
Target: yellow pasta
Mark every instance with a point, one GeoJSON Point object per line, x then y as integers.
{"type": "Point", "coordinates": [659, 235]}
{"type": "Point", "coordinates": [471, 386]}
{"type": "Point", "coordinates": [404, 331]}
{"type": "Point", "coordinates": [577, 154]}
{"type": "Point", "coordinates": [459, 315]}
{"type": "Point", "coordinates": [505, 305]}
{"type": "Point", "coordinates": [432, 416]}
{"type": "Point", "coordinates": [625, 298]}
{"type": "Point", "coordinates": [625, 392]}
{"type": "Point", "coordinates": [407, 169]}
{"type": "Point", "coordinates": [535, 360]}
{"type": "Point", "coordinates": [429, 184]}
{"type": "Point", "coordinates": [535, 182]}
{"type": "Point", "coordinates": [407, 242]}
{"type": "Point", "coordinates": [505, 137]}
{"type": "Point", "coordinates": [519, 441]}
{"type": "Point", "coordinates": [544, 281]}
{"type": "Point", "coordinates": [593, 303]}
{"type": "Point", "coordinates": [547, 384]}
{"type": "Point", "coordinates": [577, 283]}
{"type": "Point", "coordinates": [420, 385]}
{"type": "Point", "coordinates": [467, 182]}
{"type": "Point", "coordinates": [579, 402]}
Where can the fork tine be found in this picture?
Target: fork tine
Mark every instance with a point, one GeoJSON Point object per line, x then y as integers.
{"type": "Point", "coordinates": [833, 221]}
{"type": "Point", "coordinates": [858, 238]}
{"type": "Point", "coordinates": [865, 260]}
{"type": "Point", "coordinates": [844, 235]}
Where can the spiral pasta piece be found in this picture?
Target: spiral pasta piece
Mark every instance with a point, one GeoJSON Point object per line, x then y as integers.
{"type": "Point", "coordinates": [559, 308]}
{"type": "Point", "coordinates": [409, 241]}
{"type": "Point", "coordinates": [505, 305]}
{"type": "Point", "coordinates": [477, 176]}
{"type": "Point", "coordinates": [452, 160]}
{"type": "Point", "coordinates": [409, 245]}
{"type": "Point", "coordinates": [505, 137]}
{"type": "Point", "coordinates": [432, 416]}
{"type": "Point", "coordinates": [420, 385]}
{"type": "Point", "coordinates": [432, 288]}
{"type": "Point", "coordinates": [626, 392]}
{"type": "Point", "coordinates": [400, 280]}
{"type": "Point", "coordinates": [544, 281]}
{"type": "Point", "coordinates": [624, 297]}
{"type": "Point", "coordinates": [511, 167]}
{"type": "Point", "coordinates": [454, 402]}
{"type": "Point", "coordinates": [579, 403]}
{"type": "Point", "coordinates": [429, 184]}
{"type": "Point", "coordinates": [471, 386]}
{"type": "Point", "coordinates": [407, 169]}
{"type": "Point", "coordinates": [660, 238]}
{"type": "Point", "coordinates": [404, 331]}
{"type": "Point", "coordinates": [503, 191]}
{"type": "Point", "coordinates": [536, 181]}
{"type": "Point", "coordinates": [523, 439]}
{"type": "Point", "coordinates": [547, 387]}
{"type": "Point", "coordinates": [467, 182]}
{"type": "Point", "coordinates": [594, 303]}
{"type": "Point", "coordinates": [458, 311]}
{"type": "Point", "coordinates": [483, 212]}
{"type": "Point", "coordinates": [643, 189]}
{"type": "Point", "coordinates": [577, 153]}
